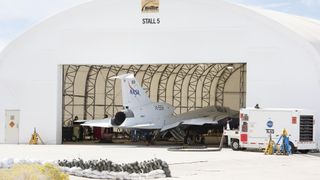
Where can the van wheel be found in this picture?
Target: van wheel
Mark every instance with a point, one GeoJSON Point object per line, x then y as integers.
{"type": "Point", "coordinates": [293, 149]}
{"type": "Point", "coordinates": [303, 151]}
{"type": "Point", "coordinates": [235, 145]}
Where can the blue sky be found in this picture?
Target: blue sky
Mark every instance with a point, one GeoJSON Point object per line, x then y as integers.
{"type": "Point", "coordinates": [17, 16]}
{"type": "Point", "coordinates": [308, 8]}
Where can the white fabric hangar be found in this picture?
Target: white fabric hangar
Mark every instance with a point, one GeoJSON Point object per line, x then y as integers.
{"type": "Point", "coordinates": [282, 53]}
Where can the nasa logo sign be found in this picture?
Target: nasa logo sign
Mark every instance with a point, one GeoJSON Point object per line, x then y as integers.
{"type": "Point", "coordinates": [134, 91]}
{"type": "Point", "coordinates": [270, 124]}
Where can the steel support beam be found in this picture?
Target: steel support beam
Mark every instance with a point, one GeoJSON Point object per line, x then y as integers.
{"type": "Point", "coordinates": [90, 92]}
{"type": "Point", "coordinates": [193, 83]}
{"type": "Point", "coordinates": [225, 75]}
{"type": "Point", "coordinates": [148, 76]}
{"type": "Point", "coordinates": [163, 82]}
{"type": "Point", "coordinates": [68, 93]}
{"type": "Point", "coordinates": [110, 108]}
{"type": "Point", "coordinates": [178, 86]}
{"type": "Point", "coordinates": [242, 86]}
{"type": "Point", "coordinates": [209, 78]}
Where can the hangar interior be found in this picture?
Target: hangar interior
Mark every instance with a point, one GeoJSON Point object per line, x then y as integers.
{"type": "Point", "coordinates": [89, 93]}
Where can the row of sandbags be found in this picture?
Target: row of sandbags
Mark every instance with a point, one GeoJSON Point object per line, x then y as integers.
{"type": "Point", "coordinates": [103, 165]}
{"type": "Point", "coordinates": [102, 169]}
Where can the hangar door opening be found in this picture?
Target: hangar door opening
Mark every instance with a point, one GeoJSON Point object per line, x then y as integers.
{"type": "Point", "coordinates": [89, 92]}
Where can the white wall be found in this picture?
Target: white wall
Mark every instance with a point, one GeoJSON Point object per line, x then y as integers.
{"type": "Point", "coordinates": [280, 64]}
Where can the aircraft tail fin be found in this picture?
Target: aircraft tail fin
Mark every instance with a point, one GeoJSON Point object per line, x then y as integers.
{"type": "Point", "coordinates": [132, 93]}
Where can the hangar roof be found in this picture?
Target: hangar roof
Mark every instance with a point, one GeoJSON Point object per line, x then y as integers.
{"type": "Point", "coordinates": [307, 28]}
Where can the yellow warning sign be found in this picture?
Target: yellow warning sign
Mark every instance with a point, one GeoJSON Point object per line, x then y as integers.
{"type": "Point", "coordinates": [11, 124]}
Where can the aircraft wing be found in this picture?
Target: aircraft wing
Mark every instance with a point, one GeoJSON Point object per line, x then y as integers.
{"type": "Point", "coordinates": [170, 126]}
{"type": "Point", "coordinates": [195, 121]}
{"type": "Point", "coordinates": [209, 115]}
{"type": "Point", "coordinates": [142, 126]}
{"type": "Point", "coordinates": [199, 121]}
{"type": "Point", "coordinates": [106, 123]}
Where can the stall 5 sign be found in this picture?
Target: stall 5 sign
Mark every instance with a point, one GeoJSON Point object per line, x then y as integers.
{"type": "Point", "coordinates": [151, 21]}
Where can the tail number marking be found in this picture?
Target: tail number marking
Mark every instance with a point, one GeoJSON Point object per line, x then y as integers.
{"type": "Point", "coordinates": [159, 107]}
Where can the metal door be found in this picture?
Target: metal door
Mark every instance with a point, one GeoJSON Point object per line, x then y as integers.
{"type": "Point", "coordinates": [12, 126]}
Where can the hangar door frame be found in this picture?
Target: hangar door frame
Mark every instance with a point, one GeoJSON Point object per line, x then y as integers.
{"type": "Point", "coordinates": [211, 78]}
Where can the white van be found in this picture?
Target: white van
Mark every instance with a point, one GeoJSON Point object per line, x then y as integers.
{"type": "Point", "coordinates": [256, 125]}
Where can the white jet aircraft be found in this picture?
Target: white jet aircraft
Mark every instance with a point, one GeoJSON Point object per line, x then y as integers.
{"type": "Point", "coordinates": [141, 113]}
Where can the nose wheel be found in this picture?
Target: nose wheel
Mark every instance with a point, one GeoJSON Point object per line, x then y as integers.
{"type": "Point", "coordinates": [192, 140]}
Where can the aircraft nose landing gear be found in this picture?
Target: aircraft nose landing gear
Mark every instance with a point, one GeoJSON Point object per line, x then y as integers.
{"type": "Point", "coordinates": [193, 138]}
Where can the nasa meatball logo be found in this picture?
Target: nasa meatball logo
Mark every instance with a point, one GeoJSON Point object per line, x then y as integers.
{"type": "Point", "coordinates": [149, 6]}
{"type": "Point", "coordinates": [269, 124]}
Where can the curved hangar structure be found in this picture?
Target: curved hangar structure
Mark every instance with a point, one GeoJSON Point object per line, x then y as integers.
{"type": "Point", "coordinates": [281, 53]}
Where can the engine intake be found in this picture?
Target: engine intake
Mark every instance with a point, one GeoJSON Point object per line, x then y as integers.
{"type": "Point", "coordinates": [118, 118]}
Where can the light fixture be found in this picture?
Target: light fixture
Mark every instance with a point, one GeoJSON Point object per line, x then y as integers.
{"type": "Point", "coordinates": [230, 67]}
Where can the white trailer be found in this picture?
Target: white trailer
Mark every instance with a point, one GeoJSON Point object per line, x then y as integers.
{"type": "Point", "coordinates": [256, 125]}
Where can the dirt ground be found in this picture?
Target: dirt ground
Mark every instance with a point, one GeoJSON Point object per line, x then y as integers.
{"type": "Point", "coordinates": [225, 165]}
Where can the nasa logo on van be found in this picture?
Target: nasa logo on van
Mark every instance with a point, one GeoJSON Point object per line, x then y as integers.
{"type": "Point", "coordinates": [269, 124]}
